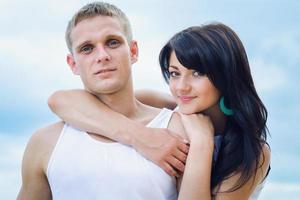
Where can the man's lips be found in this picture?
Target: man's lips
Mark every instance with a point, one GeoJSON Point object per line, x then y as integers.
{"type": "Point", "coordinates": [105, 70]}
{"type": "Point", "coordinates": [186, 99]}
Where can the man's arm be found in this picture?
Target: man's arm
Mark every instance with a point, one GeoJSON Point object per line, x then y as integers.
{"type": "Point", "coordinates": [34, 182]}
{"type": "Point", "coordinates": [84, 111]}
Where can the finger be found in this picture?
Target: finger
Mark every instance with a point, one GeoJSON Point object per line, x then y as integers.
{"type": "Point", "coordinates": [169, 169]}
{"type": "Point", "coordinates": [184, 147]}
{"type": "Point", "coordinates": [175, 163]}
{"type": "Point", "coordinates": [181, 139]}
{"type": "Point", "coordinates": [180, 156]}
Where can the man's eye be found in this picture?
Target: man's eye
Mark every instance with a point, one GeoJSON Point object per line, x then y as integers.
{"type": "Point", "coordinates": [113, 43]}
{"type": "Point", "coordinates": [86, 49]}
{"type": "Point", "coordinates": [174, 74]}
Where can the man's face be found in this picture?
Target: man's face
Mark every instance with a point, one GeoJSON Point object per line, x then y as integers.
{"type": "Point", "coordinates": [101, 55]}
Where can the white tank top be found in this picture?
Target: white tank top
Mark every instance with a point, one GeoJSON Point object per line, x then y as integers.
{"type": "Point", "coordinates": [81, 167]}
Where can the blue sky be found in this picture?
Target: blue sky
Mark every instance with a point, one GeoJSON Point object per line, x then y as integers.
{"type": "Point", "coordinates": [32, 66]}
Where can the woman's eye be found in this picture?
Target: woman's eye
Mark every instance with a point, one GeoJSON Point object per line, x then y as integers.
{"type": "Point", "coordinates": [86, 49]}
{"type": "Point", "coordinates": [174, 74]}
{"type": "Point", "coordinates": [113, 43]}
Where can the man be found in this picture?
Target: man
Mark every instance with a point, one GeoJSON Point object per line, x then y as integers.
{"type": "Point", "coordinates": [61, 162]}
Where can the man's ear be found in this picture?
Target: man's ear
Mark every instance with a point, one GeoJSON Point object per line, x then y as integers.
{"type": "Point", "coordinates": [72, 64]}
{"type": "Point", "coordinates": [134, 51]}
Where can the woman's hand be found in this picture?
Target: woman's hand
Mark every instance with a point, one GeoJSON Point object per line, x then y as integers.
{"type": "Point", "coordinates": [198, 127]}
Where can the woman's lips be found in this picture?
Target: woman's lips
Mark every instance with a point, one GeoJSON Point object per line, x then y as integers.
{"type": "Point", "coordinates": [186, 99]}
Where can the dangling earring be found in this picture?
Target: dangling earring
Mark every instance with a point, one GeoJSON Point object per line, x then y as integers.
{"type": "Point", "coordinates": [224, 109]}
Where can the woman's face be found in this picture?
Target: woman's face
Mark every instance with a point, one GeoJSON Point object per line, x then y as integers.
{"type": "Point", "coordinates": [193, 91]}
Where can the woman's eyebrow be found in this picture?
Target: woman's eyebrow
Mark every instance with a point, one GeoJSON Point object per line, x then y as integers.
{"type": "Point", "coordinates": [172, 66]}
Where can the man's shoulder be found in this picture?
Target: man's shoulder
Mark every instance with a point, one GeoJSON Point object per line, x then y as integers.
{"type": "Point", "coordinates": [47, 133]}
{"type": "Point", "coordinates": [35, 160]}
{"type": "Point", "coordinates": [44, 139]}
{"type": "Point", "coordinates": [40, 146]}
{"type": "Point", "coordinates": [51, 128]}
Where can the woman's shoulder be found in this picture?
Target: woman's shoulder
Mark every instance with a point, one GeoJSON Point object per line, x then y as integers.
{"type": "Point", "coordinates": [264, 163]}
{"type": "Point", "coordinates": [247, 189]}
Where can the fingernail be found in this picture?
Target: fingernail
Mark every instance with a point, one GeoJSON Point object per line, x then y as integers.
{"type": "Point", "coordinates": [185, 141]}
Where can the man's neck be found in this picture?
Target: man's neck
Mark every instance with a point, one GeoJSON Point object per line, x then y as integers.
{"type": "Point", "coordinates": [123, 102]}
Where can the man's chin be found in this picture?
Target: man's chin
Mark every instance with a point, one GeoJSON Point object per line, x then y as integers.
{"type": "Point", "coordinates": [103, 88]}
{"type": "Point", "coordinates": [103, 91]}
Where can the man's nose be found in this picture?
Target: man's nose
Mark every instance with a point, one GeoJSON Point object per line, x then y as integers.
{"type": "Point", "coordinates": [102, 54]}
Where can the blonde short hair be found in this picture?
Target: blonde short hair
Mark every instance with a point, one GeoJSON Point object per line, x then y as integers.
{"type": "Point", "coordinates": [98, 9]}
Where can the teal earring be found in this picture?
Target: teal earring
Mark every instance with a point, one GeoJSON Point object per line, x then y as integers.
{"type": "Point", "coordinates": [224, 109]}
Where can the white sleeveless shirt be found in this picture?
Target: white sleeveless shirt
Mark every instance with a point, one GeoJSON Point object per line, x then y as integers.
{"type": "Point", "coordinates": [81, 167]}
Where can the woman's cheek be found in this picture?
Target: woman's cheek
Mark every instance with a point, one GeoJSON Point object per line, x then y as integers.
{"type": "Point", "coordinates": [172, 87]}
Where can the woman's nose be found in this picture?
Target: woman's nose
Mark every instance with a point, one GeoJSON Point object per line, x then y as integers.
{"type": "Point", "coordinates": [183, 85]}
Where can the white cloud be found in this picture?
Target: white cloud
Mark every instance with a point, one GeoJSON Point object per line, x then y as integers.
{"type": "Point", "coordinates": [37, 58]}
{"type": "Point", "coordinates": [35, 65]}
{"type": "Point", "coordinates": [268, 76]}
{"type": "Point", "coordinates": [53, 5]}
{"type": "Point", "coordinates": [147, 71]}
{"type": "Point", "coordinates": [280, 191]}
{"type": "Point", "coordinates": [286, 43]}
{"type": "Point", "coordinates": [11, 151]}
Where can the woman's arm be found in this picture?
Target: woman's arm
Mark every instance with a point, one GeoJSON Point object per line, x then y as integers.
{"type": "Point", "coordinates": [84, 111]}
{"type": "Point", "coordinates": [156, 99]}
{"type": "Point", "coordinates": [195, 183]}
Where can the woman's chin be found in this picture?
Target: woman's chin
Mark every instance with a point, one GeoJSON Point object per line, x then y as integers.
{"type": "Point", "coordinates": [186, 111]}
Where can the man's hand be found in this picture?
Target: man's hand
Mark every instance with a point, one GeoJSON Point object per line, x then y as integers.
{"type": "Point", "coordinates": [164, 148]}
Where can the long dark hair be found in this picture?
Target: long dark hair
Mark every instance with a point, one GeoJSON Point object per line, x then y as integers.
{"type": "Point", "coordinates": [216, 51]}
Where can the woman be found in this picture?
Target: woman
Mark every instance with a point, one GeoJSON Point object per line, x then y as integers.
{"type": "Point", "coordinates": [209, 77]}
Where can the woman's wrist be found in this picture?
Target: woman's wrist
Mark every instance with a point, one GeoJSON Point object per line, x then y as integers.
{"type": "Point", "coordinates": [203, 143]}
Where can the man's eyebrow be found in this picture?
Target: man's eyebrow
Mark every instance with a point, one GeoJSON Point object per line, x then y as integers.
{"type": "Point", "coordinates": [172, 66]}
{"type": "Point", "coordinates": [118, 36]}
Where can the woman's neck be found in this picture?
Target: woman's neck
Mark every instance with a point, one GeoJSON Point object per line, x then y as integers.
{"type": "Point", "coordinates": [217, 117]}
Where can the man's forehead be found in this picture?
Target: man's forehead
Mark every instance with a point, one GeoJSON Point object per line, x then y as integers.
{"type": "Point", "coordinates": [99, 26]}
